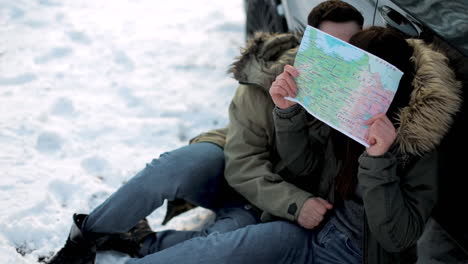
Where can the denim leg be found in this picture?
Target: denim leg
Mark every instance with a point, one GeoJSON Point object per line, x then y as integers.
{"type": "Point", "coordinates": [274, 242]}
{"type": "Point", "coordinates": [331, 246]}
{"type": "Point", "coordinates": [227, 219]}
{"type": "Point", "coordinates": [194, 173]}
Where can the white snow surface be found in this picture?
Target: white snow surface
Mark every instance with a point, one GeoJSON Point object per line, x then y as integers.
{"type": "Point", "coordinates": [90, 91]}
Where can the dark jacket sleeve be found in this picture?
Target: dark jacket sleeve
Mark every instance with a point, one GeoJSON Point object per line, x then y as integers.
{"type": "Point", "coordinates": [398, 206]}
{"type": "Point", "coordinates": [298, 144]}
{"type": "Point", "coordinates": [249, 169]}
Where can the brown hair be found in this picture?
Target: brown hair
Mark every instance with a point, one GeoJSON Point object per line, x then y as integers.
{"type": "Point", "coordinates": [391, 46]}
{"type": "Point", "coordinates": [335, 11]}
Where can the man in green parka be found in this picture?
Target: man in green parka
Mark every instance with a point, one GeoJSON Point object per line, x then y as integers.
{"type": "Point", "coordinates": [288, 164]}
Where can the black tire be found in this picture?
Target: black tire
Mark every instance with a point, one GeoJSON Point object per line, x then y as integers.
{"type": "Point", "coordinates": [262, 16]}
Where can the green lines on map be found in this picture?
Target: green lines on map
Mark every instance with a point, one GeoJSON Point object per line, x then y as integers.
{"type": "Point", "coordinates": [326, 80]}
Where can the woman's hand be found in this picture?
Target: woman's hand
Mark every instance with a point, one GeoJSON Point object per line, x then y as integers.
{"type": "Point", "coordinates": [381, 135]}
{"type": "Point", "coordinates": [284, 85]}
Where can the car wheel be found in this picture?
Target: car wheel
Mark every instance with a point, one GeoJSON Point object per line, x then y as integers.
{"type": "Point", "coordinates": [262, 16]}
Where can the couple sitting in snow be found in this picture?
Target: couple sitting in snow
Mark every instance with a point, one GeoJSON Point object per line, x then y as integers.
{"type": "Point", "coordinates": [285, 187]}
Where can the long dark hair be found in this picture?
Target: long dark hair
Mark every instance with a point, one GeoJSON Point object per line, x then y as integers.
{"type": "Point", "coordinates": [391, 46]}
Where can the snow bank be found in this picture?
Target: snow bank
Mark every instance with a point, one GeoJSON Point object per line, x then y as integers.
{"type": "Point", "coordinates": [92, 90]}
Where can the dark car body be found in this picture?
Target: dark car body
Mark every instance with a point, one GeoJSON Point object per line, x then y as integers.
{"type": "Point", "coordinates": [417, 18]}
{"type": "Point", "coordinates": [444, 23]}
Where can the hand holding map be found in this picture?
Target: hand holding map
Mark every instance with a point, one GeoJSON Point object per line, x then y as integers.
{"type": "Point", "coordinates": [382, 134]}
{"type": "Point", "coordinates": [342, 85]}
{"type": "Point", "coordinates": [284, 86]}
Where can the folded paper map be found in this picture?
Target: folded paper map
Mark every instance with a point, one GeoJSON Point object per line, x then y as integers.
{"type": "Point", "coordinates": [342, 85]}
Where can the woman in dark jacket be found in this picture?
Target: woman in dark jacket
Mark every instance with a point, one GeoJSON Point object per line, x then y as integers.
{"type": "Point", "coordinates": [383, 195]}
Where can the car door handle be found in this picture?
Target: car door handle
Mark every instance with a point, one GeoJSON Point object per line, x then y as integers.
{"type": "Point", "coordinates": [398, 21]}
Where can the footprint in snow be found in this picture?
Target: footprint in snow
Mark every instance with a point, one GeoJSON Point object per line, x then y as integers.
{"type": "Point", "coordinates": [54, 54]}
{"type": "Point", "coordinates": [49, 142]}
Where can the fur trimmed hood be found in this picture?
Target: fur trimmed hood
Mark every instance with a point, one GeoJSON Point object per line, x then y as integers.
{"type": "Point", "coordinates": [435, 99]}
{"type": "Point", "coordinates": [264, 58]}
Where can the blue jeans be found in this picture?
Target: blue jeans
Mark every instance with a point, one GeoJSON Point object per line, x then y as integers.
{"type": "Point", "coordinates": [267, 243]}
{"type": "Point", "coordinates": [194, 173]}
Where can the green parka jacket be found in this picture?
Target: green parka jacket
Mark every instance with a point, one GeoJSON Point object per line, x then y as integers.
{"type": "Point", "coordinates": [277, 170]}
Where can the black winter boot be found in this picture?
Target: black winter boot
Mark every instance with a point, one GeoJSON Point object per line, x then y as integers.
{"type": "Point", "coordinates": [129, 242]}
{"type": "Point", "coordinates": [82, 250]}
{"type": "Point", "coordinates": [77, 249]}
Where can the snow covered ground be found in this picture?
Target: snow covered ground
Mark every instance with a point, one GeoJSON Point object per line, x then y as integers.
{"type": "Point", "coordinates": [92, 90]}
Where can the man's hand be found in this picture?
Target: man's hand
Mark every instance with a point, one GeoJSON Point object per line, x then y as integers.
{"type": "Point", "coordinates": [284, 85]}
{"type": "Point", "coordinates": [312, 212]}
{"type": "Point", "coordinates": [381, 135]}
